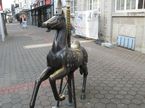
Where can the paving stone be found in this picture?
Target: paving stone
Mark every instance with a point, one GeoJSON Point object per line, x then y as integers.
{"type": "Point", "coordinates": [142, 106]}
{"type": "Point", "coordinates": [99, 105]}
{"type": "Point", "coordinates": [109, 96]}
{"type": "Point", "coordinates": [45, 103]}
{"type": "Point", "coordinates": [99, 96]}
{"type": "Point", "coordinates": [43, 98]}
{"type": "Point", "coordinates": [139, 97]}
{"type": "Point", "coordinates": [122, 106]}
{"type": "Point", "coordinates": [125, 101]}
{"type": "Point", "coordinates": [113, 92]}
{"type": "Point", "coordinates": [17, 105]}
{"type": "Point", "coordinates": [15, 101]}
{"type": "Point", "coordinates": [129, 96]}
{"type": "Point", "coordinates": [132, 92]}
{"type": "Point", "coordinates": [25, 101]}
{"type": "Point", "coordinates": [6, 105]}
{"type": "Point", "coordinates": [89, 105]}
{"type": "Point", "coordinates": [25, 106]}
{"type": "Point", "coordinates": [115, 100]}
{"type": "Point", "coordinates": [115, 75]}
{"type": "Point", "coordinates": [122, 92]}
{"type": "Point", "coordinates": [134, 106]}
{"type": "Point", "coordinates": [117, 88]}
{"type": "Point", "coordinates": [136, 101]}
{"type": "Point", "coordinates": [111, 106]}
{"type": "Point", "coordinates": [103, 91]}
{"type": "Point", "coordinates": [105, 101]}
{"type": "Point", "coordinates": [119, 96]}
{"type": "Point", "coordinates": [6, 100]}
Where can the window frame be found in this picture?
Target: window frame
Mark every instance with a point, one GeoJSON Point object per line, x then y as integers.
{"type": "Point", "coordinates": [130, 10]}
{"type": "Point", "coordinates": [91, 5]}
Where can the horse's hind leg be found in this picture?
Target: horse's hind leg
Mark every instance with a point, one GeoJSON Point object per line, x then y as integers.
{"type": "Point", "coordinates": [44, 75]}
{"type": "Point", "coordinates": [59, 74]}
{"type": "Point", "coordinates": [84, 71]}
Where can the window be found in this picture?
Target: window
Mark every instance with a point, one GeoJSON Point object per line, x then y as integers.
{"type": "Point", "coordinates": [141, 4]}
{"type": "Point", "coordinates": [129, 5]}
{"type": "Point", "coordinates": [80, 5]}
{"type": "Point", "coordinates": [72, 6]}
{"type": "Point", "coordinates": [93, 4]}
{"type": "Point", "coordinates": [120, 4]}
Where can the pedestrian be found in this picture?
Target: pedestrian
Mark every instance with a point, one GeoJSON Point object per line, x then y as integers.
{"type": "Point", "coordinates": [20, 20]}
{"type": "Point", "coordinates": [24, 22]}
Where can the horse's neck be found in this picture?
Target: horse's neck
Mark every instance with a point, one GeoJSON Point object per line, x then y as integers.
{"type": "Point", "coordinates": [60, 40]}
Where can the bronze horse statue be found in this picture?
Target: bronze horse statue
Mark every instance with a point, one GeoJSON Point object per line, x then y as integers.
{"type": "Point", "coordinates": [61, 60]}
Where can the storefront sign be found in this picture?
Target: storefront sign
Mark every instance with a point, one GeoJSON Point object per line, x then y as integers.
{"type": "Point", "coordinates": [47, 2]}
{"type": "Point", "coordinates": [86, 23]}
{"type": "Point", "coordinates": [1, 8]}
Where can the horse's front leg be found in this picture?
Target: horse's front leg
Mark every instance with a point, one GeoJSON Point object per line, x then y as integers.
{"type": "Point", "coordinates": [44, 75]}
{"type": "Point", "coordinates": [60, 73]}
{"type": "Point", "coordinates": [84, 71]}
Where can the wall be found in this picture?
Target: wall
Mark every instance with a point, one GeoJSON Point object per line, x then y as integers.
{"type": "Point", "coordinates": [130, 26]}
{"type": "Point", "coordinates": [0, 27]}
{"type": "Point", "coordinates": [106, 19]}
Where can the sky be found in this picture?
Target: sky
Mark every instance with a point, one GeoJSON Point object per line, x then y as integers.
{"type": "Point", "coordinates": [7, 3]}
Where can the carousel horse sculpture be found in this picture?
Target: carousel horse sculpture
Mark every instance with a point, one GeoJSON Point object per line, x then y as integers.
{"type": "Point", "coordinates": [61, 60]}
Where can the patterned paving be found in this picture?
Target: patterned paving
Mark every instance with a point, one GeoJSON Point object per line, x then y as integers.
{"type": "Point", "coordinates": [116, 76]}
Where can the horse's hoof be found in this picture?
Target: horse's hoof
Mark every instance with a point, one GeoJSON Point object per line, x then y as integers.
{"type": "Point", "coordinates": [61, 97]}
{"type": "Point", "coordinates": [83, 97]}
{"type": "Point", "coordinates": [31, 106]}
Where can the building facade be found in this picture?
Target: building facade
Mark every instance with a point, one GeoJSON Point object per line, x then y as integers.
{"type": "Point", "coordinates": [37, 11]}
{"type": "Point", "coordinates": [121, 22]}
{"type": "Point", "coordinates": [41, 10]}
{"type": "Point", "coordinates": [21, 5]}
{"type": "Point", "coordinates": [128, 19]}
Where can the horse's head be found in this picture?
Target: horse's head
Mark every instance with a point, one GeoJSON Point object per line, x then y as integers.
{"type": "Point", "coordinates": [57, 22]}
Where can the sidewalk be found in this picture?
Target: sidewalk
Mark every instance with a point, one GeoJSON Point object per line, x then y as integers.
{"type": "Point", "coordinates": [116, 76]}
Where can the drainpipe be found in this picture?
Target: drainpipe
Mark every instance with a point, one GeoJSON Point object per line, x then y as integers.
{"type": "Point", "coordinates": [111, 25]}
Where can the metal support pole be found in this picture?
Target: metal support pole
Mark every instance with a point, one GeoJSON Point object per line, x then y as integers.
{"type": "Point", "coordinates": [68, 24]}
{"type": "Point", "coordinates": [69, 89]}
{"type": "Point", "coordinates": [73, 90]}
{"type": "Point", "coordinates": [60, 90]}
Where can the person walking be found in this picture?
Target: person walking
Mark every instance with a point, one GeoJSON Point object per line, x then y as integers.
{"type": "Point", "coordinates": [20, 19]}
{"type": "Point", "coordinates": [24, 21]}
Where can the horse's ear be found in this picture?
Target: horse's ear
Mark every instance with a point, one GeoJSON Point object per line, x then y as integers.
{"type": "Point", "coordinates": [62, 13]}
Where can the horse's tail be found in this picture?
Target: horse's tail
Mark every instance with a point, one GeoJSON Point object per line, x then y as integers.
{"type": "Point", "coordinates": [83, 67]}
{"type": "Point", "coordinates": [85, 55]}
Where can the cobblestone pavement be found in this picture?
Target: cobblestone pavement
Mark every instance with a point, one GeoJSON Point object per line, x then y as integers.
{"type": "Point", "coordinates": [116, 76]}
